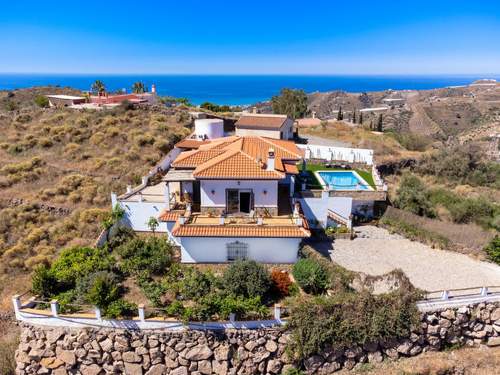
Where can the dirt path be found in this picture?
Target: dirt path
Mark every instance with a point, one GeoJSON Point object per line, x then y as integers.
{"type": "Point", "coordinates": [376, 252]}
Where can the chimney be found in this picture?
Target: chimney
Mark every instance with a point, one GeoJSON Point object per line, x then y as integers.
{"type": "Point", "coordinates": [254, 109]}
{"type": "Point", "coordinates": [270, 160]}
{"type": "Point", "coordinates": [153, 89]}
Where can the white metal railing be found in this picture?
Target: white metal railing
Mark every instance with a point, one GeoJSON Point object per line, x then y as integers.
{"type": "Point", "coordinates": [379, 183]}
{"type": "Point", "coordinates": [346, 154]}
{"type": "Point", "coordinates": [450, 298]}
{"type": "Point", "coordinates": [53, 317]}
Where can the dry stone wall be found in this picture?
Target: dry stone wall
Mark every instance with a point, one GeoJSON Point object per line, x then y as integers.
{"type": "Point", "coordinates": [91, 351]}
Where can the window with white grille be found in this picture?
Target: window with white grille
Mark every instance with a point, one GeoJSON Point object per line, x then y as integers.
{"type": "Point", "coordinates": [236, 251]}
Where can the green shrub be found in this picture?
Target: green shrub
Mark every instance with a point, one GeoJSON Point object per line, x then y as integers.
{"type": "Point", "coordinates": [120, 308]}
{"type": "Point", "coordinates": [43, 282]}
{"type": "Point", "coordinates": [493, 250]}
{"type": "Point", "coordinates": [120, 236]}
{"type": "Point", "coordinates": [78, 262]}
{"type": "Point", "coordinates": [152, 254]}
{"type": "Point", "coordinates": [196, 284]}
{"type": "Point", "coordinates": [100, 288]}
{"type": "Point", "coordinates": [346, 319]}
{"type": "Point", "coordinates": [246, 278]}
{"type": "Point", "coordinates": [42, 101]}
{"type": "Point", "coordinates": [311, 276]}
{"type": "Point", "coordinates": [412, 196]}
{"type": "Point", "coordinates": [217, 306]}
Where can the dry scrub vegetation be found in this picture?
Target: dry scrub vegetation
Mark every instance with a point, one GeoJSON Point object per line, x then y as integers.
{"type": "Point", "coordinates": [385, 146]}
{"type": "Point", "coordinates": [58, 168]}
{"type": "Point", "coordinates": [476, 361]}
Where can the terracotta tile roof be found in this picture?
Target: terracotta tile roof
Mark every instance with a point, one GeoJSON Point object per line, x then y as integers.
{"type": "Point", "coordinates": [240, 157]}
{"type": "Point", "coordinates": [261, 122]}
{"type": "Point", "coordinates": [235, 164]}
{"type": "Point", "coordinates": [169, 215]}
{"type": "Point", "coordinates": [291, 168]}
{"type": "Point", "coordinates": [239, 231]}
{"type": "Point", "coordinates": [190, 143]}
{"type": "Point", "coordinates": [191, 159]}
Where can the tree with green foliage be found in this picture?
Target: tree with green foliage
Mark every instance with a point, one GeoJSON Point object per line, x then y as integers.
{"type": "Point", "coordinates": [354, 116]}
{"type": "Point", "coordinates": [152, 224]}
{"type": "Point", "coordinates": [138, 88]}
{"type": "Point", "coordinates": [290, 102]}
{"type": "Point", "coordinates": [246, 278]}
{"type": "Point", "coordinates": [493, 249]}
{"type": "Point", "coordinates": [361, 118]}
{"type": "Point", "coordinates": [152, 255]}
{"type": "Point", "coordinates": [42, 101]}
{"type": "Point", "coordinates": [98, 87]}
{"type": "Point", "coordinates": [340, 115]}
{"type": "Point", "coordinates": [101, 289]}
{"type": "Point", "coordinates": [413, 196]}
{"type": "Point", "coordinates": [380, 125]}
{"type": "Point", "coordinates": [311, 275]}
{"type": "Point", "coordinates": [114, 217]}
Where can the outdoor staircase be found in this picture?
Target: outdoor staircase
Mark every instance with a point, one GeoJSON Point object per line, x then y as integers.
{"type": "Point", "coordinates": [339, 219]}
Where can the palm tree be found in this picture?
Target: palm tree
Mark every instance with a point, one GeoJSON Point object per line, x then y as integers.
{"type": "Point", "coordinates": [138, 88]}
{"type": "Point", "coordinates": [98, 87]}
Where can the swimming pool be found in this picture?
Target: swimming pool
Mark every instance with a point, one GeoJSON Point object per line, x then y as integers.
{"type": "Point", "coordinates": [342, 180]}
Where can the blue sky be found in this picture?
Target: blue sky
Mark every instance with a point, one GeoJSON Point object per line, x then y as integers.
{"type": "Point", "coordinates": [257, 37]}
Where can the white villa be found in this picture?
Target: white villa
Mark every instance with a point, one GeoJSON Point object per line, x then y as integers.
{"type": "Point", "coordinates": [239, 197]}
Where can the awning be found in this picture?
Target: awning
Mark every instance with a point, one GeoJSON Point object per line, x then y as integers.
{"type": "Point", "coordinates": [176, 175]}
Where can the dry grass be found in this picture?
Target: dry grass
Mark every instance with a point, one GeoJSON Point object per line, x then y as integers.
{"type": "Point", "coordinates": [476, 361]}
{"type": "Point", "coordinates": [9, 339]}
{"type": "Point", "coordinates": [385, 146]}
{"type": "Point", "coordinates": [466, 238]}
{"type": "Point", "coordinates": [71, 160]}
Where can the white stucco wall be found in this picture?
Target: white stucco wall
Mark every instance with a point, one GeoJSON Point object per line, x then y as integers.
{"type": "Point", "coordinates": [264, 250]}
{"type": "Point", "coordinates": [275, 134]}
{"type": "Point", "coordinates": [137, 215]}
{"type": "Point", "coordinates": [317, 208]}
{"type": "Point", "coordinates": [218, 199]}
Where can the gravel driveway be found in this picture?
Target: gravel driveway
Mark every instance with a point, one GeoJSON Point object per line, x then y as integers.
{"type": "Point", "coordinates": [376, 252]}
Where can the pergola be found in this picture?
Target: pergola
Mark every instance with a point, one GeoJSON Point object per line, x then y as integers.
{"type": "Point", "coordinates": [182, 176]}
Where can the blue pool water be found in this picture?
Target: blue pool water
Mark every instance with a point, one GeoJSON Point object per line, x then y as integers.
{"type": "Point", "coordinates": [340, 180]}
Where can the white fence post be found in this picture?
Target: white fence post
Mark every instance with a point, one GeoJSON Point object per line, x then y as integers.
{"type": "Point", "coordinates": [232, 318]}
{"type": "Point", "coordinates": [484, 291]}
{"type": "Point", "coordinates": [445, 295]}
{"type": "Point", "coordinates": [98, 314]}
{"type": "Point", "coordinates": [54, 308]}
{"type": "Point", "coordinates": [142, 312]}
{"type": "Point", "coordinates": [277, 311]}
{"type": "Point", "coordinates": [16, 301]}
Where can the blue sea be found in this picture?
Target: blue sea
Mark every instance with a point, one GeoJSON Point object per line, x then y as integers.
{"type": "Point", "coordinates": [237, 89]}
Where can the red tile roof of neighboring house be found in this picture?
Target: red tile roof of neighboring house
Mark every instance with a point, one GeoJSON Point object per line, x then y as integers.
{"type": "Point", "coordinates": [272, 122]}
{"type": "Point", "coordinates": [169, 215]}
{"type": "Point", "coordinates": [190, 143]}
{"type": "Point", "coordinates": [239, 231]}
{"type": "Point", "coordinates": [241, 158]}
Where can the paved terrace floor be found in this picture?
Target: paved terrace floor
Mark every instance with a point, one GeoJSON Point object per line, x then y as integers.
{"type": "Point", "coordinates": [240, 220]}
{"type": "Point", "coordinates": [376, 252]}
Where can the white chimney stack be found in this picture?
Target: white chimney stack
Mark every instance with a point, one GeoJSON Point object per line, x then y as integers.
{"type": "Point", "coordinates": [270, 160]}
{"type": "Point", "coordinates": [153, 88]}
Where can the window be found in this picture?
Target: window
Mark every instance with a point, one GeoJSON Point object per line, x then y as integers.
{"type": "Point", "coordinates": [236, 251]}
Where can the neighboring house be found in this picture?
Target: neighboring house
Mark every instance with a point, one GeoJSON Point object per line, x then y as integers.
{"type": "Point", "coordinates": [65, 100]}
{"type": "Point", "coordinates": [111, 100]}
{"type": "Point", "coordinates": [270, 126]}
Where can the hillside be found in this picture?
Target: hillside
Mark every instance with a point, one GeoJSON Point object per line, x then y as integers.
{"type": "Point", "coordinates": [442, 114]}
{"type": "Point", "coordinates": [58, 168]}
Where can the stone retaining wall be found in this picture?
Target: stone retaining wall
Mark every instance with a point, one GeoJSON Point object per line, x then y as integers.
{"type": "Point", "coordinates": [91, 351]}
